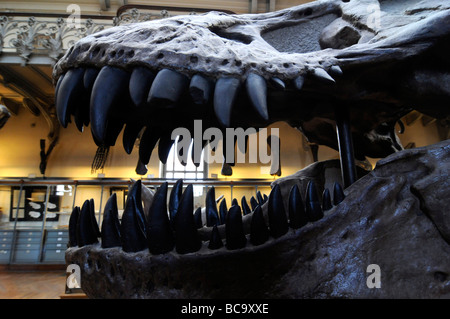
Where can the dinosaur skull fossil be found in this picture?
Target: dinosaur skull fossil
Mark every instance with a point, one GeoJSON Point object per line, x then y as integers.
{"type": "Point", "coordinates": [378, 60]}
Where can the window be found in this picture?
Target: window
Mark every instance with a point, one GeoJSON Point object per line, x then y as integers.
{"type": "Point", "coordinates": [174, 169]}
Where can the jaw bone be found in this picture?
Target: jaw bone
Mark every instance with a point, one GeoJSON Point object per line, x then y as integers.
{"type": "Point", "coordinates": [247, 71]}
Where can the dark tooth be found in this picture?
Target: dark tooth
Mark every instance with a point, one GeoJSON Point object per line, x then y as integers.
{"type": "Point", "coordinates": [86, 234]}
{"type": "Point", "coordinates": [93, 218]}
{"type": "Point", "coordinates": [198, 218]}
{"type": "Point", "coordinates": [277, 83]}
{"type": "Point", "coordinates": [234, 202]}
{"type": "Point", "coordinates": [223, 209]}
{"type": "Point", "coordinates": [266, 198]}
{"type": "Point", "coordinates": [174, 198]}
{"type": "Point", "coordinates": [58, 85]}
{"type": "Point", "coordinates": [109, 89]}
{"type": "Point", "coordinates": [130, 135]}
{"type": "Point", "coordinates": [196, 158]}
{"type": "Point", "coordinates": [253, 203]}
{"type": "Point", "coordinates": [113, 130]}
{"type": "Point", "coordinates": [338, 194]}
{"type": "Point", "coordinates": [257, 92]}
{"type": "Point", "coordinates": [225, 94]}
{"type": "Point", "coordinates": [73, 221]}
{"type": "Point", "coordinates": [186, 237]}
{"type": "Point", "coordinates": [200, 89]}
{"type": "Point", "coordinates": [326, 200]}
{"type": "Point", "coordinates": [297, 214]}
{"type": "Point", "coordinates": [84, 110]}
{"type": "Point", "coordinates": [299, 81]}
{"type": "Point", "coordinates": [70, 94]}
{"type": "Point", "coordinates": [234, 230]}
{"type": "Point", "coordinates": [148, 142]}
{"type": "Point", "coordinates": [167, 88]}
{"type": "Point", "coordinates": [132, 233]}
{"type": "Point", "coordinates": [313, 208]}
{"type": "Point", "coordinates": [336, 70]}
{"type": "Point", "coordinates": [111, 224]}
{"type": "Point", "coordinates": [278, 224]}
{"type": "Point", "coordinates": [226, 170]}
{"type": "Point", "coordinates": [141, 168]}
{"type": "Point", "coordinates": [159, 232]}
{"type": "Point", "coordinates": [323, 76]}
{"type": "Point", "coordinates": [135, 192]}
{"type": "Point", "coordinates": [164, 146]}
{"type": "Point", "coordinates": [259, 198]}
{"type": "Point", "coordinates": [215, 242]}
{"type": "Point", "coordinates": [212, 216]}
{"type": "Point", "coordinates": [140, 83]}
{"type": "Point", "coordinates": [259, 233]}
{"type": "Point", "coordinates": [245, 208]}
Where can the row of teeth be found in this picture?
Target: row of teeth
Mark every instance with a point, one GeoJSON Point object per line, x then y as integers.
{"type": "Point", "coordinates": [161, 230]}
{"type": "Point", "coordinates": [91, 95]}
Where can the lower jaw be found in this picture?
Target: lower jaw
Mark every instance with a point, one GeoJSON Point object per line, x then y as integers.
{"type": "Point", "coordinates": [381, 221]}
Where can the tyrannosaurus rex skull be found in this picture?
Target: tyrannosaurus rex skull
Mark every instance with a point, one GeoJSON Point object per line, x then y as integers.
{"type": "Point", "coordinates": [378, 60]}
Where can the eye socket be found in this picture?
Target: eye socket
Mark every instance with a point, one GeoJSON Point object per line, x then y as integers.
{"type": "Point", "coordinates": [234, 36]}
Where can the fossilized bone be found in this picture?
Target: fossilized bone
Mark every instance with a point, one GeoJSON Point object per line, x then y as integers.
{"type": "Point", "coordinates": [307, 66]}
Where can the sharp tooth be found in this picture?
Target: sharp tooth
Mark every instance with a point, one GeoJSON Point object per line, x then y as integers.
{"type": "Point", "coordinates": [159, 232]}
{"type": "Point", "coordinates": [225, 94]}
{"type": "Point", "coordinates": [196, 157]}
{"type": "Point", "coordinates": [223, 209]}
{"type": "Point", "coordinates": [278, 224]}
{"type": "Point", "coordinates": [88, 81]}
{"type": "Point", "coordinates": [186, 237]}
{"type": "Point", "coordinates": [200, 89]}
{"type": "Point", "coordinates": [136, 193]}
{"type": "Point", "coordinates": [234, 202]}
{"type": "Point", "coordinates": [130, 134]}
{"type": "Point", "coordinates": [326, 200]}
{"type": "Point", "coordinates": [245, 208]}
{"type": "Point", "coordinates": [253, 203]}
{"type": "Point", "coordinates": [323, 76]}
{"type": "Point", "coordinates": [259, 233]}
{"type": "Point", "coordinates": [164, 146]}
{"type": "Point", "coordinates": [111, 224]}
{"type": "Point", "coordinates": [86, 233]}
{"type": "Point", "coordinates": [215, 242]}
{"type": "Point", "coordinates": [167, 88]}
{"type": "Point", "coordinates": [174, 198]}
{"type": "Point", "coordinates": [313, 208]}
{"type": "Point", "coordinates": [140, 83]}
{"type": "Point", "coordinates": [212, 216]}
{"type": "Point", "coordinates": [148, 142]}
{"type": "Point", "coordinates": [58, 85]}
{"type": "Point", "coordinates": [259, 198]}
{"type": "Point", "coordinates": [234, 230]}
{"type": "Point", "coordinates": [133, 235]}
{"type": "Point", "coordinates": [93, 218]}
{"type": "Point", "coordinates": [266, 198]}
{"type": "Point", "coordinates": [70, 94]}
{"type": "Point", "coordinates": [198, 218]}
{"type": "Point", "coordinates": [257, 92]}
{"type": "Point", "coordinates": [338, 194]}
{"type": "Point", "coordinates": [113, 130]}
{"type": "Point", "coordinates": [277, 83]}
{"type": "Point", "coordinates": [336, 70]}
{"type": "Point", "coordinates": [299, 81]}
{"type": "Point", "coordinates": [297, 214]}
{"type": "Point", "coordinates": [73, 220]}
{"type": "Point", "coordinates": [109, 89]}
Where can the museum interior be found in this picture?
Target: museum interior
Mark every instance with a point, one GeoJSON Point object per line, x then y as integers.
{"type": "Point", "coordinates": [46, 170]}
